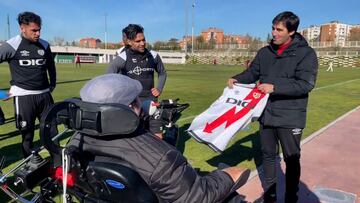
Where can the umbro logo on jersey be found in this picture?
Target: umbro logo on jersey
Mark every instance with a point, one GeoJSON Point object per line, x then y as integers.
{"type": "Point", "coordinates": [296, 131]}
{"type": "Point", "coordinates": [41, 52]}
{"type": "Point", "coordinates": [134, 60]}
{"type": "Point", "coordinates": [24, 53]}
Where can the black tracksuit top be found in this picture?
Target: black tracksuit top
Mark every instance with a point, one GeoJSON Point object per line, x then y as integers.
{"type": "Point", "coordinates": [141, 67]}
{"type": "Point", "coordinates": [29, 62]}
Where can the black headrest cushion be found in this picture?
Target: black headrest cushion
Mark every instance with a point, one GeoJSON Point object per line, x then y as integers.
{"type": "Point", "coordinates": [99, 119]}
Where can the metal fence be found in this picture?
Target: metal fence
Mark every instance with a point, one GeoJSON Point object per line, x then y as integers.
{"type": "Point", "coordinates": [339, 58]}
{"type": "Point", "coordinates": [347, 44]}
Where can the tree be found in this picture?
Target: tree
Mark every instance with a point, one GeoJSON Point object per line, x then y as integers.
{"type": "Point", "coordinates": [199, 42]}
{"type": "Point", "coordinates": [159, 45]}
{"type": "Point", "coordinates": [58, 41]}
{"type": "Point", "coordinates": [268, 38]}
{"type": "Point", "coordinates": [173, 44]}
{"type": "Point", "coordinates": [255, 44]}
{"type": "Point", "coordinates": [211, 44]}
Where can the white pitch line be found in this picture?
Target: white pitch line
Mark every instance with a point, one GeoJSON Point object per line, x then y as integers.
{"type": "Point", "coordinates": [319, 88]}
{"type": "Point", "coordinates": [336, 84]}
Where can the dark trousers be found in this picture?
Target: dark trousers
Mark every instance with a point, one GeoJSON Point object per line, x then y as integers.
{"type": "Point", "coordinates": [289, 140]}
{"type": "Point", "coordinates": [27, 109]}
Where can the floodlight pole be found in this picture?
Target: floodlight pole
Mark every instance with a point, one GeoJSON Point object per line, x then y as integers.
{"type": "Point", "coordinates": [8, 24]}
{"type": "Point", "coordinates": [192, 28]}
{"type": "Point", "coordinates": [186, 26]}
{"type": "Point", "coordinates": [105, 32]}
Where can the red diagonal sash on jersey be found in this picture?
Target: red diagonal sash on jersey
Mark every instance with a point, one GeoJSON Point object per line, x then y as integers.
{"type": "Point", "coordinates": [230, 116]}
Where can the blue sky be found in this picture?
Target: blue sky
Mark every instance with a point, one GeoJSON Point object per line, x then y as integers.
{"type": "Point", "coordinates": [165, 19]}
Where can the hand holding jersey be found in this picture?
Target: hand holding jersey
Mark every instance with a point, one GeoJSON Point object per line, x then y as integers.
{"type": "Point", "coordinates": [233, 111]}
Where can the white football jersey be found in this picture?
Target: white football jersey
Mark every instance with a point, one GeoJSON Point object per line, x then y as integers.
{"type": "Point", "coordinates": [233, 111]}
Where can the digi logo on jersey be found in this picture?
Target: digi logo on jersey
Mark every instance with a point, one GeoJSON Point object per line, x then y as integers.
{"type": "Point", "coordinates": [32, 62]}
{"type": "Point", "coordinates": [239, 102]}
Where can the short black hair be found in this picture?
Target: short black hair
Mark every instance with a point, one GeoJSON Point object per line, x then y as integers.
{"type": "Point", "coordinates": [290, 20]}
{"type": "Point", "coordinates": [130, 31]}
{"type": "Point", "coordinates": [28, 17]}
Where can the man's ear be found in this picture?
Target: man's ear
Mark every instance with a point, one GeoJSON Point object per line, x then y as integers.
{"type": "Point", "coordinates": [22, 28]}
{"type": "Point", "coordinates": [292, 33]}
{"type": "Point", "coordinates": [129, 42]}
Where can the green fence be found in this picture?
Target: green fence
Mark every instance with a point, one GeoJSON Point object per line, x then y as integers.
{"type": "Point", "coordinates": [69, 58]}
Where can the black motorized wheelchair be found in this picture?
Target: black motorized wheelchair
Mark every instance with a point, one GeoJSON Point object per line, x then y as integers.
{"type": "Point", "coordinates": [88, 177]}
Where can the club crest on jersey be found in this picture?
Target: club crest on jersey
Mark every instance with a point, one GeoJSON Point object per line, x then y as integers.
{"type": "Point", "coordinates": [24, 53]}
{"type": "Point", "coordinates": [41, 52]}
{"type": "Point", "coordinates": [23, 124]}
{"type": "Point", "coordinates": [256, 95]}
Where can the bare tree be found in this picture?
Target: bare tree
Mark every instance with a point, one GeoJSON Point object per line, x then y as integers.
{"type": "Point", "coordinates": [58, 41]}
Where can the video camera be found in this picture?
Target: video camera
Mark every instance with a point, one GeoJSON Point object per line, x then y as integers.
{"type": "Point", "coordinates": [168, 111]}
{"type": "Point", "coordinates": [72, 174]}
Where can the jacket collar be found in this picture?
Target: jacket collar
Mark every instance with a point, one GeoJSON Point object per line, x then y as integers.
{"type": "Point", "coordinates": [298, 41]}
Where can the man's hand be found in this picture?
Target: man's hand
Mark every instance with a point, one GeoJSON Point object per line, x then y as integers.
{"type": "Point", "coordinates": [238, 174]}
{"type": "Point", "coordinates": [231, 82]}
{"type": "Point", "coordinates": [155, 92]}
{"type": "Point", "coordinates": [266, 88]}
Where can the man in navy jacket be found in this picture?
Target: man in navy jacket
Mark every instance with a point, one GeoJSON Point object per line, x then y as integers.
{"type": "Point", "coordinates": [286, 69]}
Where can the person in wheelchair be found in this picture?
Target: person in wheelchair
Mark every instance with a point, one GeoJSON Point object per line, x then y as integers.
{"type": "Point", "coordinates": [161, 165]}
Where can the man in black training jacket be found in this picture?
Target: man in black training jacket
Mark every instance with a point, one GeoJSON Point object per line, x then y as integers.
{"type": "Point", "coordinates": [287, 70]}
{"type": "Point", "coordinates": [33, 75]}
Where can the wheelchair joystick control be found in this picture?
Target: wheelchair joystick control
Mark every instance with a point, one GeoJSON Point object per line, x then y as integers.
{"type": "Point", "coordinates": [36, 159]}
{"type": "Point", "coordinates": [18, 181]}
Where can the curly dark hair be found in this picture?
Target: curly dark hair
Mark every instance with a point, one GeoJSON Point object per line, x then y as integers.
{"type": "Point", "coordinates": [130, 31]}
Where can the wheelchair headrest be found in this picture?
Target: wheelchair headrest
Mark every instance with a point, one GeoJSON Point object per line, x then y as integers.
{"type": "Point", "coordinates": [98, 119]}
{"type": "Point", "coordinates": [88, 118]}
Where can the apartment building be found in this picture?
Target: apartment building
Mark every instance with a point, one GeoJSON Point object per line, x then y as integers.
{"type": "Point", "coordinates": [213, 33]}
{"type": "Point", "coordinates": [89, 42]}
{"type": "Point", "coordinates": [335, 32]}
{"type": "Point", "coordinates": [312, 33]}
